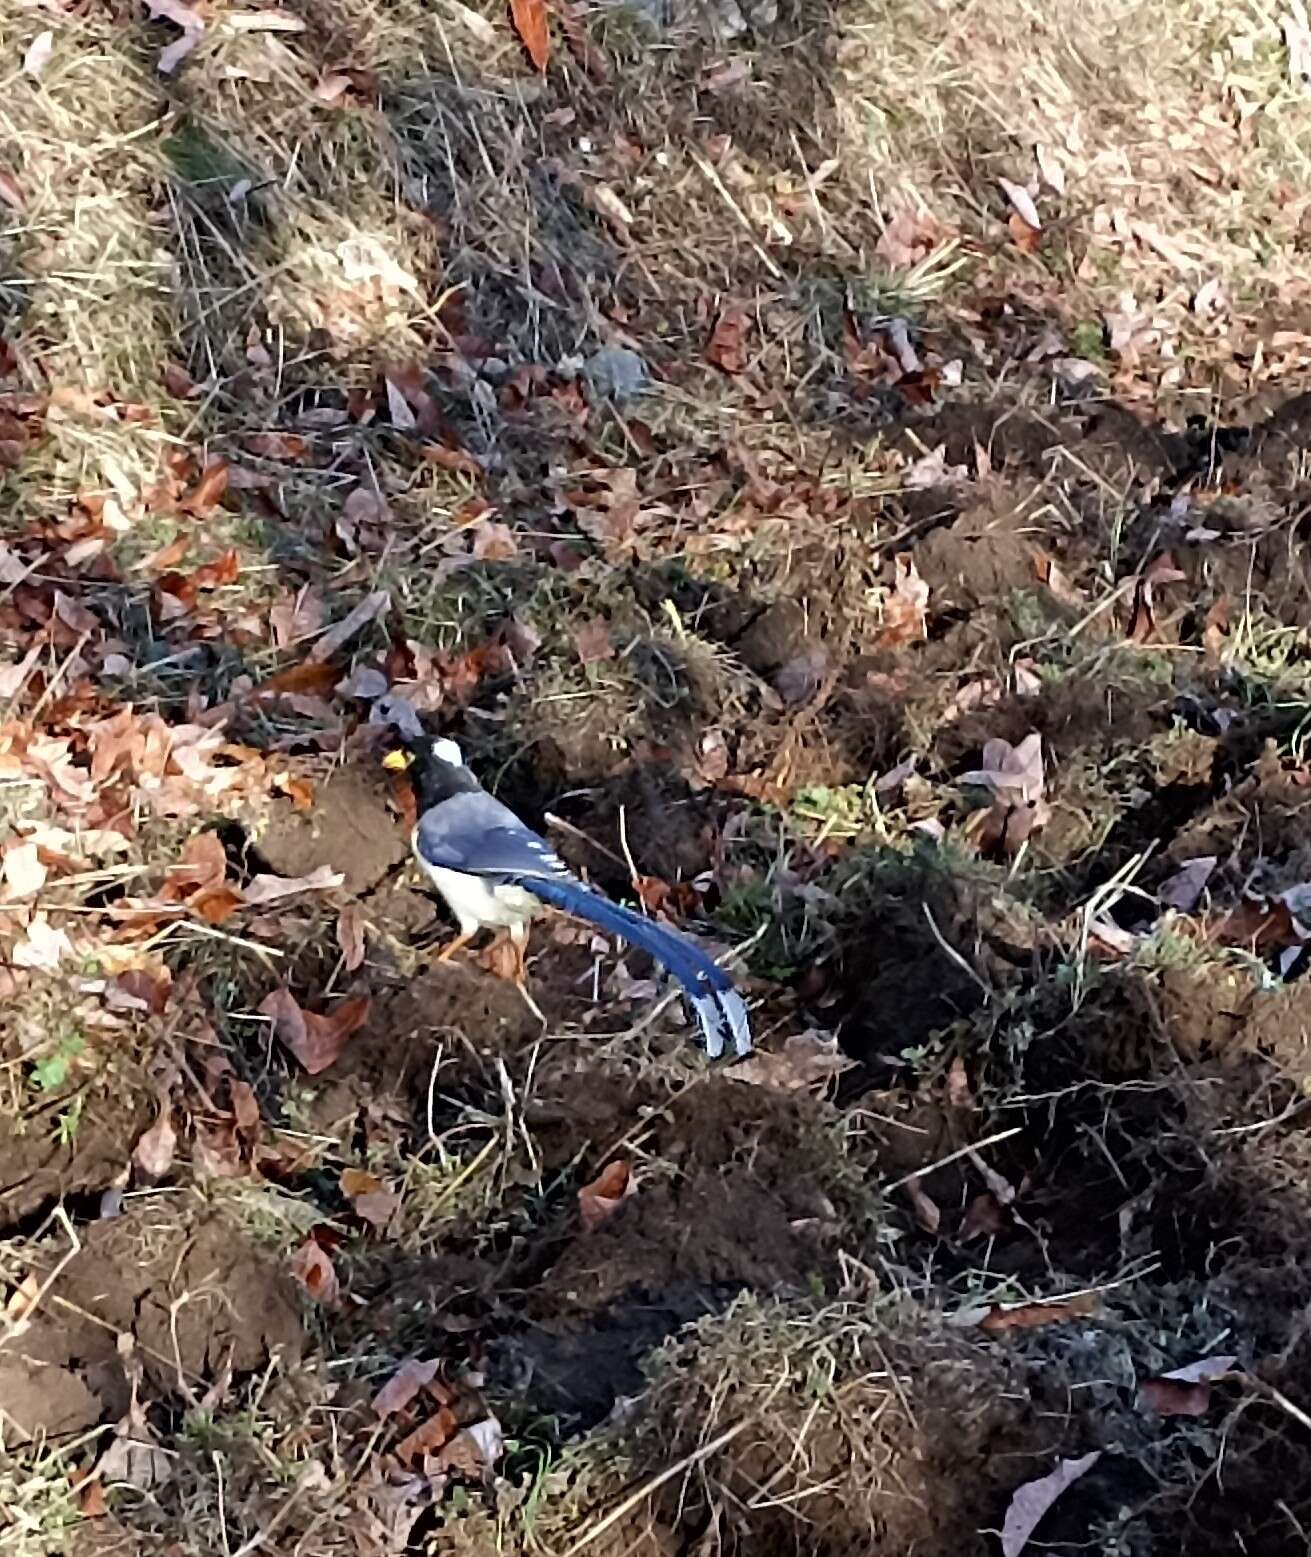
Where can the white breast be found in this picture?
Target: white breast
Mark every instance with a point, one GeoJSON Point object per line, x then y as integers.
{"type": "Point", "coordinates": [478, 904]}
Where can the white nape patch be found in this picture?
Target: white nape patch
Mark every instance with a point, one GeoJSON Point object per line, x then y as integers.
{"type": "Point", "coordinates": [448, 752]}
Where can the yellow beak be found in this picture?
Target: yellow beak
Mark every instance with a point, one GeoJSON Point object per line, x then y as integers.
{"type": "Point", "coordinates": [396, 761]}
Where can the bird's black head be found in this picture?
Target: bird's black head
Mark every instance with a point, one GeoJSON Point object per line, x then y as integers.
{"type": "Point", "coordinates": [436, 768]}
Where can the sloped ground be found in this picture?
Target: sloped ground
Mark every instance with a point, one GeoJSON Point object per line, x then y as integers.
{"type": "Point", "coordinates": [841, 472]}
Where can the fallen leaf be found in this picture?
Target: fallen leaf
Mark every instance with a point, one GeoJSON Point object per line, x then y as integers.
{"type": "Point", "coordinates": [428, 1437]}
{"type": "Point", "coordinates": [599, 1200]}
{"type": "Point", "coordinates": [1186, 1391]}
{"type": "Point", "coordinates": [529, 17]}
{"type": "Point", "coordinates": [1022, 202]}
{"type": "Point", "coordinates": [1027, 239]}
{"type": "Point", "coordinates": [183, 16]}
{"type": "Point", "coordinates": [43, 946]}
{"type": "Point", "coordinates": [984, 1216]}
{"type": "Point", "coordinates": [1033, 1316]}
{"type": "Point", "coordinates": [350, 935]}
{"type": "Point", "coordinates": [315, 1040]}
{"type": "Point", "coordinates": [727, 347]}
{"type": "Point", "coordinates": [474, 1450]}
{"type": "Point", "coordinates": [38, 54]}
{"type": "Point", "coordinates": [309, 677]}
{"type": "Point", "coordinates": [287, 446]}
{"type": "Point", "coordinates": [1013, 773]}
{"type": "Point", "coordinates": [958, 1085]}
{"type": "Point", "coordinates": [1142, 620]}
{"type": "Point", "coordinates": [905, 611]}
{"type": "Point", "coordinates": [1031, 1501]}
{"type": "Point", "coordinates": [926, 1210]}
{"type": "Point", "coordinates": [493, 542]}
{"type": "Point", "coordinates": [909, 237]}
{"type": "Point", "coordinates": [799, 680]}
{"type": "Point", "coordinates": [23, 873]}
{"type": "Point", "coordinates": [154, 1150]}
{"type": "Point", "coordinates": [372, 605]}
{"type": "Point", "coordinates": [369, 1198]}
{"type": "Point", "coordinates": [1184, 889]}
{"type": "Point", "coordinates": [807, 1060]}
{"type": "Point", "coordinates": [269, 889]}
{"type": "Point", "coordinates": [403, 1386]}
{"type": "Point", "coordinates": [91, 1500]}
{"type": "Point", "coordinates": [207, 492]}
{"type": "Point", "coordinates": [312, 1267]}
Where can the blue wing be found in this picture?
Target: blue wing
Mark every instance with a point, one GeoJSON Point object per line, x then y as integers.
{"type": "Point", "coordinates": [476, 834]}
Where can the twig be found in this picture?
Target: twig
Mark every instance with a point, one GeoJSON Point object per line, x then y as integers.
{"type": "Point", "coordinates": [964, 1151]}
{"type": "Point", "coordinates": [970, 972]}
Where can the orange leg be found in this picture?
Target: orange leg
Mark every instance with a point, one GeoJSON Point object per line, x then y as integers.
{"type": "Point", "coordinates": [449, 950]}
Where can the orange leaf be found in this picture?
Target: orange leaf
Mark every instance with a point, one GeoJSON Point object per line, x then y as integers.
{"type": "Point", "coordinates": [311, 1266]}
{"type": "Point", "coordinates": [313, 676]}
{"type": "Point", "coordinates": [529, 17]}
{"type": "Point", "coordinates": [215, 904]}
{"type": "Point", "coordinates": [207, 491]}
{"type": "Point", "coordinates": [315, 1040]}
{"type": "Point", "coordinates": [727, 348]}
{"type": "Point", "coordinates": [599, 1200]}
{"type": "Point", "coordinates": [427, 1438]}
{"type": "Point", "coordinates": [1032, 1316]}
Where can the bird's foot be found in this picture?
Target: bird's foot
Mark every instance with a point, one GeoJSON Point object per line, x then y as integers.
{"type": "Point", "coordinates": [458, 944]}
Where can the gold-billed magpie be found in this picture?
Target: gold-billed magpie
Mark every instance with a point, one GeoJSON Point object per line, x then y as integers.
{"type": "Point", "coordinates": [495, 872]}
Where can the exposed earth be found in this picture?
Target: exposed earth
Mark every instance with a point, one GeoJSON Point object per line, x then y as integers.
{"type": "Point", "coordinates": [842, 474]}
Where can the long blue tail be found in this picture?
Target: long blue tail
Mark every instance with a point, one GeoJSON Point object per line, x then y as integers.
{"type": "Point", "coordinates": [720, 1010]}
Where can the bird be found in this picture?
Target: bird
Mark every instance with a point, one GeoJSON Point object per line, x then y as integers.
{"type": "Point", "coordinates": [495, 872]}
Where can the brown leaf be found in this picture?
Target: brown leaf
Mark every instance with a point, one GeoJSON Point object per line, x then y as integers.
{"type": "Point", "coordinates": [428, 1437]}
{"type": "Point", "coordinates": [908, 238]}
{"type": "Point", "coordinates": [983, 1217]}
{"type": "Point", "coordinates": [905, 611]}
{"type": "Point", "coordinates": [368, 1197]}
{"type": "Point", "coordinates": [91, 1500]}
{"type": "Point", "coordinates": [245, 1106]}
{"type": "Point", "coordinates": [154, 1150]}
{"type": "Point", "coordinates": [1168, 1397]}
{"type": "Point", "coordinates": [403, 1386]}
{"type": "Point", "coordinates": [350, 936]}
{"type": "Point", "coordinates": [207, 491]}
{"type": "Point", "coordinates": [1032, 1316]}
{"type": "Point", "coordinates": [529, 17]}
{"type": "Point", "coordinates": [215, 904]}
{"type": "Point", "coordinates": [315, 1040]}
{"type": "Point", "coordinates": [312, 1267]}
{"type": "Point", "coordinates": [599, 1200]}
{"type": "Point", "coordinates": [286, 446]}
{"type": "Point", "coordinates": [494, 542]}
{"type": "Point", "coordinates": [807, 1061]}
{"type": "Point", "coordinates": [726, 349]}
{"type": "Point", "coordinates": [926, 1209]}
{"type": "Point", "coordinates": [1028, 239]}
{"type": "Point", "coordinates": [592, 641]}
{"type": "Point", "coordinates": [310, 676]}
{"type": "Point", "coordinates": [958, 1085]}
{"type": "Point", "coordinates": [1186, 1391]}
